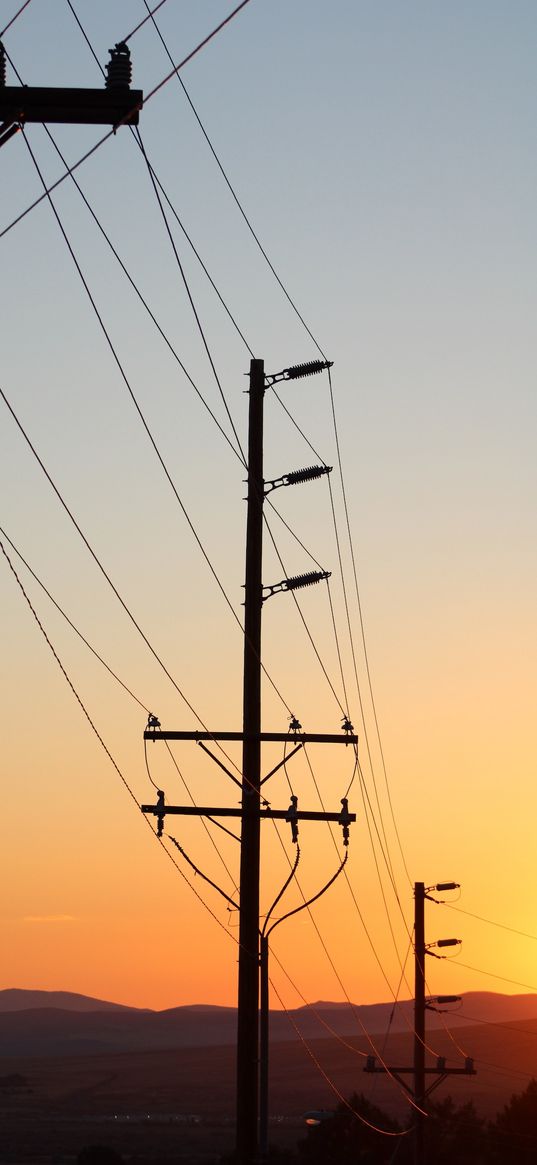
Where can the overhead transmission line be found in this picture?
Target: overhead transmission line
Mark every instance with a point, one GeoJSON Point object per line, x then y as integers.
{"type": "Point", "coordinates": [99, 564]}
{"type": "Point", "coordinates": [231, 188]}
{"type": "Point", "coordinates": [135, 401]}
{"type": "Point", "coordinates": [15, 17]}
{"type": "Point", "coordinates": [347, 519]}
{"type": "Point", "coordinates": [130, 390]}
{"type": "Point", "coordinates": [113, 674]}
{"type": "Point", "coordinates": [490, 921]}
{"type": "Point", "coordinates": [190, 296]}
{"type": "Point", "coordinates": [141, 704]}
{"type": "Point", "coordinates": [276, 512]}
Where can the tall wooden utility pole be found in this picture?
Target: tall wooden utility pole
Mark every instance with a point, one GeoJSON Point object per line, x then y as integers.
{"type": "Point", "coordinates": [419, 1020]}
{"type": "Point", "coordinates": [248, 1001]}
{"type": "Point", "coordinates": [251, 811]}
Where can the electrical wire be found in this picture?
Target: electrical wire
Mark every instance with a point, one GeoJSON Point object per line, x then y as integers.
{"type": "Point", "coordinates": [14, 18]}
{"type": "Point", "coordinates": [222, 431]}
{"type": "Point", "coordinates": [103, 571]}
{"type": "Point", "coordinates": [144, 21]}
{"type": "Point", "coordinates": [129, 692]}
{"type": "Point", "coordinates": [492, 975]}
{"type": "Point", "coordinates": [96, 732]}
{"type": "Point", "coordinates": [132, 394]}
{"type": "Point", "coordinates": [232, 190]}
{"type": "Point", "coordinates": [190, 297]}
{"type": "Point", "coordinates": [361, 620]}
{"type": "Point", "coordinates": [331, 962]}
{"type": "Point", "coordinates": [303, 620]}
{"type": "Point", "coordinates": [203, 822]}
{"type": "Point", "coordinates": [507, 1024]}
{"type": "Point", "coordinates": [134, 131]}
{"type": "Point", "coordinates": [71, 624]}
{"type": "Point", "coordinates": [490, 921]}
{"type": "Point", "coordinates": [330, 1082]}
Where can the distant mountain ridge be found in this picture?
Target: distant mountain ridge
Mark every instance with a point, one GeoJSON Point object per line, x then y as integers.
{"type": "Point", "coordinates": [61, 1023]}
{"type": "Point", "coordinates": [18, 999]}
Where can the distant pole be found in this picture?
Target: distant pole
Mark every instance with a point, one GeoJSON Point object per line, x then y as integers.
{"type": "Point", "coordinates": [248, 996]}
{"type": "Point", "coordinates": [419, 1020]}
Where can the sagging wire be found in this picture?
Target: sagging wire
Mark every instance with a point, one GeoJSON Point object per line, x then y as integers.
{"type": "Point", "coordinates": [72, 625]}
{"type": "Point", "coordinates": [189, 295]}
{"type": "Point", "coordinates": [126, 272]}
{"type": "Point", "coordinates": [352, 1007]}
{"type": "Point", "coordinates": [96, 732]}
{"type": "Point", "coordinates": [303, 619]}
{"type": "Point", "coordinates": [204, 823]}
{"type": "Point", "coordinates": [134, 398]}
{"type": "Point", "coordinates": [105, 574]}
{"type": "Point", "coordinates": [330, 1082]}
{"type": "Point", "coordinates": [14, 18]}
{"type": "Point", "coordinates": [150, 435]}
{"type": "Point", "coordinates": [231, 189]}
{"type": "Point", "coordinates": [361, 620]}
{"type": "Point", "coordinates": [205, 877]}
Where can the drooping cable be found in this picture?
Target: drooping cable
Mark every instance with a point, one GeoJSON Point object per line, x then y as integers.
{"type": "Point", "coordinates": [361, 618]}
{"type": "Point", "coordinates": [233, 193]}
{"type": "Point", "coordinates": [203, 822]}
{"type": "Point", "coordinates": [330, 1082]}
{"type": "Point", "coordinates": [189, 295]}
{"type": "Point", "coordinates": [132, 394]}
{"type": "Point", "coordinates": [99, 564]}
{"type": "Point", "coordinates": [71, 624]}
{"type": "Point", "coordinates": [14, 18]}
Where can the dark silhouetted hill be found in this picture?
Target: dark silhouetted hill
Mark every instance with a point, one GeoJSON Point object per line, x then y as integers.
{"type": "Point", "coordinates": [78, 1025]}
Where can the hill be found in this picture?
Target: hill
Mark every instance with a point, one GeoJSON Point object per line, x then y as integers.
{"type": "Point", "coordinates": [34, 1023]}
{"type": "Point", "coordinates": [17, 999]}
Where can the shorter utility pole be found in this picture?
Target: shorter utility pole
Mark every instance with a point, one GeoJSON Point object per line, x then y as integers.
{"type": "Point", "coordinates": [419, 1092]}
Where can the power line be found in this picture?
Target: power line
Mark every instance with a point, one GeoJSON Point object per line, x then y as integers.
{"type": "Point", "coordinates": [97, 561]}
{"type": "Point", "coordinates": [190, 297]}
{"type": "Point", "coordinates": [71, 624]}
{"type": "Point", "coordinates": [144, 21]}
{"type": "Point", "coordinates": [234, 194]}
{"type": "Point", "coordinates": [14, 18]}
{"type": "Point", "coordinates": [490, 921]}
{"type": "Point", "coordinates": [361, 619]}
{"type": "Point", "coordinates": [134, 399]}
{"type": "Point", "coordinates": [492, 975]}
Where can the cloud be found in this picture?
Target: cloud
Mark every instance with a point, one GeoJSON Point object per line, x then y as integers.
{"type": "Point", "coordinates": [49, 918]}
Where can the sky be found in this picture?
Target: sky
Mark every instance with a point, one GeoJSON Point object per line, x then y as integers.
{"type": "Point", "coordinates": [384, 155]}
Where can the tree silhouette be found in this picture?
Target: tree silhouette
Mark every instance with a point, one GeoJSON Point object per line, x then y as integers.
{"type": "Point", "coordinates": [513, 1135]}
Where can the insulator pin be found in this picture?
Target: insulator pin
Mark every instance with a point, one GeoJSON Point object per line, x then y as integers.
{"type": "Point", "coordinates": [119, 67]}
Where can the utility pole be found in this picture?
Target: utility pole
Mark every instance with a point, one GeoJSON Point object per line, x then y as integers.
{"type": "Point", "coordinates": [252, 811]}
{"type": "Point", "coordinates": [248, 1001]}
{"type": "Point", "coordinates": [419, 1092]}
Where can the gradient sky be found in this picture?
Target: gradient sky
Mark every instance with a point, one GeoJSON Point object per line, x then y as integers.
{"type": "Point", "coordinates": [385, 154]}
